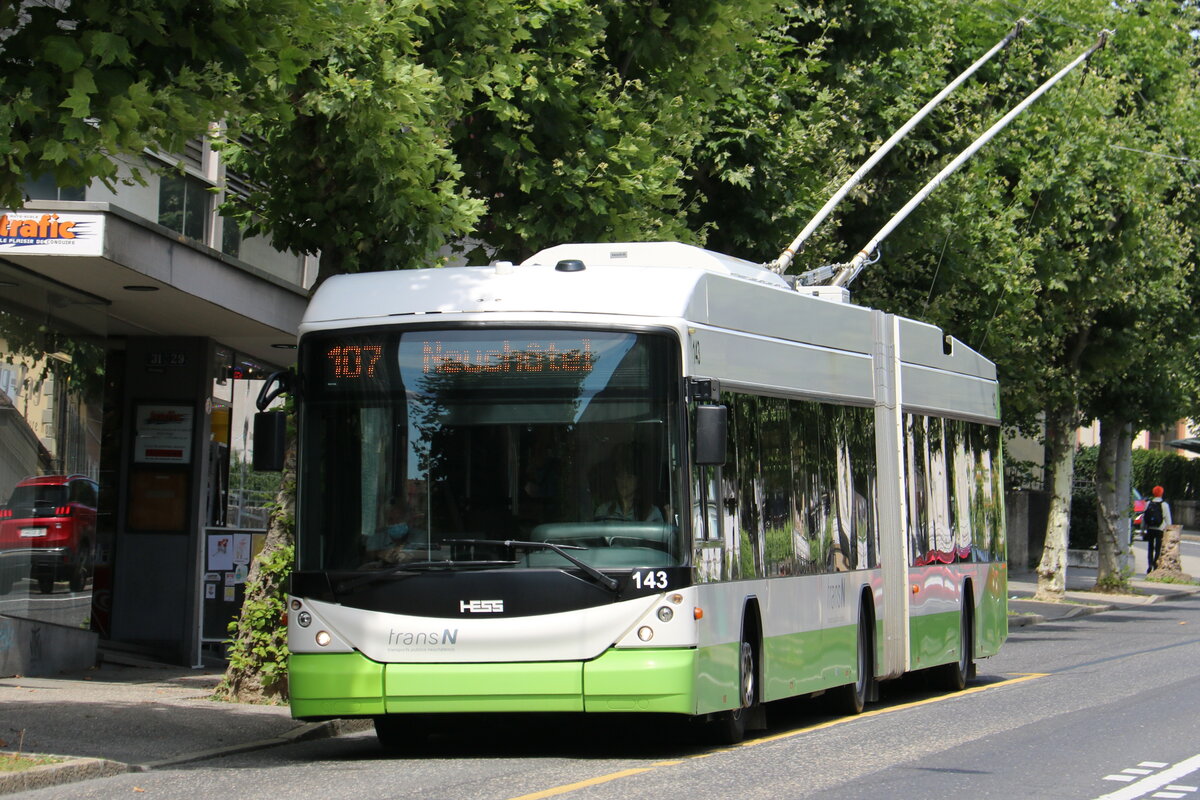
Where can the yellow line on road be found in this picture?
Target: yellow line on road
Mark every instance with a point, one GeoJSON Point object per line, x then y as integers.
{"type": "Point", "coordinates": [612, 776]}
{"type": "Point", "coordinates": [570, 787]}
{"type": "Point", "coordinates": [880, 711]}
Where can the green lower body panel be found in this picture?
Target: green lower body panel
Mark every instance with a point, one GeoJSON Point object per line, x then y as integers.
{"type": "Point", "coordinates": [449, 688]}
{"type": "Point", "coordinates": [935, 639]}
{"type": "Point", "coordinates": [641, 680]}
{"type": "Point", "coordinates": [348, 685]}
{"type": "Point", "coordinates": [335, 685]}
{"type": "Point", "coordinates": [992, 615]}
{"type": "Point", "coordinates": [800, 663]}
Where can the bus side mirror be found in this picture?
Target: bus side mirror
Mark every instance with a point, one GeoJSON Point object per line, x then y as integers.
{"type": "Point", "coordinates": [270, 439]}
{"type": "Point", "coordinates": [712, 422]}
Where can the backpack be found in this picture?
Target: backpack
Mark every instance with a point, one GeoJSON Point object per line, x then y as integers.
{"type": "Point", "coordinates": [1152, 517]}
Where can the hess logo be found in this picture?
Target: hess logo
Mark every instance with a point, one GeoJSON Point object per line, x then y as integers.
{"type": "Point", "coordinates": [481, 606]}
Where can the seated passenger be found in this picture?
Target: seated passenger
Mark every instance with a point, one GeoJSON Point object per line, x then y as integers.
{"type": "Point", "coordinates": [387, 542]}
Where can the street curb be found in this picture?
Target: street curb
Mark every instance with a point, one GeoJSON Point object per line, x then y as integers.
{"type": "Point", "coordinates": [308, 731]}
{"type": "Point", "coordinates": [69, 771]}
{"type": "Point", "coordinates": [1158, 598]}
{"type": "Point", "coordinates": [1024, 620]}
{"type": "Point", "coordinates": [73, 770]}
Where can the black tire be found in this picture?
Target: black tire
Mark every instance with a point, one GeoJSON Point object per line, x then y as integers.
{"type": "Point", "coordinates": [854, 695]}
{"type": "Point", "coordinates": [82, 569]}
{"type": "Point", "coordinates": [396, 731]}
{"type": "Point", "coordinates": [45, 584]}
{"type": "Point", "coordinates": [955, 675]}
{"type": "Point", "coordinates": [729, 727]}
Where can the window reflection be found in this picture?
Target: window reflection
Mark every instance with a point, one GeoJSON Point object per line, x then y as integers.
{"type": "Point", "coordinates": [798, 488]}
{"type": "Point", "coordinates": [955, 493]}
{"type": "Point", "coordinates": [439, 446]}
{"type": "Point", "coordinates": [50, 412]}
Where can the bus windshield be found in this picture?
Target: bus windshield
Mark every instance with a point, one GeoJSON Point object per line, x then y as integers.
{"type": "Point", "coordinates": [488, 448]}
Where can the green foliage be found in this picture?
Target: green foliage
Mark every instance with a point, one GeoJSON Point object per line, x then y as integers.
{"type": "Point", "coordinates": [77, 362]}
{"type": "Point", "coordinates": [1116, 582]}
{"type": "Point", "coordinates": [1085, 527]}
{"type": "Point", "coordinates": [1171, 579]}
{"type": "Point", "coordinates": [258, 643]}
{"type": "Point", "coordinates": [1179, 476]}
{"type": "Point", "coordinates": [86, 80]}
{"type": "Point", "coordinates": [497, 127]}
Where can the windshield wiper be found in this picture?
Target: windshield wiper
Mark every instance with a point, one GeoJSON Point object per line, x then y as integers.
{"type": "Point", "coordinates": [607, 581]}
{"type": "Point", "coordinates": [411, 568]}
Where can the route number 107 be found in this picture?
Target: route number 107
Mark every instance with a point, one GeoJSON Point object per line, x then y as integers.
{"type": "Point", "coordinates": [650, 579]}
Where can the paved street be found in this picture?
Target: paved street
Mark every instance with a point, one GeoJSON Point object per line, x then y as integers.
{"type": "Point", "coordinates": [1100, 706]}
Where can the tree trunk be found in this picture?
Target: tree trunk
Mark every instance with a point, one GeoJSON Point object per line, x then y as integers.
{"type": "Point", "coordinates": [1060, 466]}
{"type": "Point", "coordinates": [257, 670]}
{"type": "Point", "coordinates": [1114, 564]}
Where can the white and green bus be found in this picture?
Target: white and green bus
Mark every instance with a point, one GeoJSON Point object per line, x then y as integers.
{"type": "Point", "coordinates": [633, 478]}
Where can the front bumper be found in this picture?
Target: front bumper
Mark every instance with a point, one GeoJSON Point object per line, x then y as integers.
{"type": "Point", "coordinates": [636, 680]}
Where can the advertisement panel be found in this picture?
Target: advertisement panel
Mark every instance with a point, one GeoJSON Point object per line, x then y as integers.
{"type": "Point", "coordinates": [52, 233]}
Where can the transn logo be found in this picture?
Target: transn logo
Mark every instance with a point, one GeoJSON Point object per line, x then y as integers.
{"type": "Point", "coordinates": [481, 606]}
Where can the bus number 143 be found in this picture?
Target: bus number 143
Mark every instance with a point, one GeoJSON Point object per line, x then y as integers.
{"type": "Point", "coordinates": [650, 579]}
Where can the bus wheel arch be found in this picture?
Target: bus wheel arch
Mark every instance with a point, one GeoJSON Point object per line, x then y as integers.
{"type": "Point", "coordinates": [729, 727]}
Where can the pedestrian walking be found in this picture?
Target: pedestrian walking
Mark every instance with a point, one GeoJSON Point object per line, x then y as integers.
{"type": "Point", "coordinates": [1155, 518]}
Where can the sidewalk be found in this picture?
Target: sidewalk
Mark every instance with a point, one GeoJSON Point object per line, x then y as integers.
{"type": "Point", "coordinates": [132, 715]}
{"type": "Point", "coordinates": [1080, 600]}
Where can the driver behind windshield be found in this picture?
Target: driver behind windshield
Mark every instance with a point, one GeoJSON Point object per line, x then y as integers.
{"type": "Point", "coordinates": [628, 499]}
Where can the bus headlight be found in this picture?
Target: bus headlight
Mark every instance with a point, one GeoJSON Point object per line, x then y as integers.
{"type": "Point", "coordinates": [304, 619]}
{"type": "Point", "coordinates": [665, 613]}
{"type": "Point", "coordinates": [323, 638]}
{"type": "Point", "coordinates": [645, 633]}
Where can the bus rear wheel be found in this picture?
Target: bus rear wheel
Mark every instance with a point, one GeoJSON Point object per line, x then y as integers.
{"type": "Point", "coordinates": [854, 696]}
{"type": "Point", "coordinates": [954, 676]}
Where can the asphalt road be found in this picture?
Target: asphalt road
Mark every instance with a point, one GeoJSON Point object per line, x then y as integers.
{"type": "Point", "coordinates": [1104, 706]}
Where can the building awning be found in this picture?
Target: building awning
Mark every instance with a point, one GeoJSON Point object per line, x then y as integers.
{"type": "Point", "coordinates": [96, 269]}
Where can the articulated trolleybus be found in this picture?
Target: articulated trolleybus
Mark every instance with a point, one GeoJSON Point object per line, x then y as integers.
{"type": "Point", "coordinates": [633, 478]}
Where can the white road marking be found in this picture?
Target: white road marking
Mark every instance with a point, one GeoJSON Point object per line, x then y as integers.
{"type": "Point", "coordinates": [1155, 782]}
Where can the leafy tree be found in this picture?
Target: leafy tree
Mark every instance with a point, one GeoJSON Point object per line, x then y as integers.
{"type": "Point", "coordinates": [1038, 252]}
{"type": "Point", "coordinates": [88, 80]}
{"type": "Point", "coordinates": [502, 124]}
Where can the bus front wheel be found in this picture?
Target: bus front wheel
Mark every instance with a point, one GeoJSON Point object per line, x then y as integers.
{"type": "Point", "coordinates": [729, 727]}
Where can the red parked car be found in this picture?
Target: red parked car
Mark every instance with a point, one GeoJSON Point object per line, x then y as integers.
{"type": "Point", "coordinates": [51, 520]}
{"type": "Point", "coordinates": [1139, 505]}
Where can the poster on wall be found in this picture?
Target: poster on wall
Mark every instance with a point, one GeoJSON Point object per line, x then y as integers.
{"type": "Point", "coordinates": [220, 552]}
{"type": "Point", "coordinates": [228, 554]}
{"type": "Point", "coordinates": [51, 233]}
{"type": "Point", "coordinates": [163, 434]}
{"type": "Point", "coordinates": [158, 499]}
